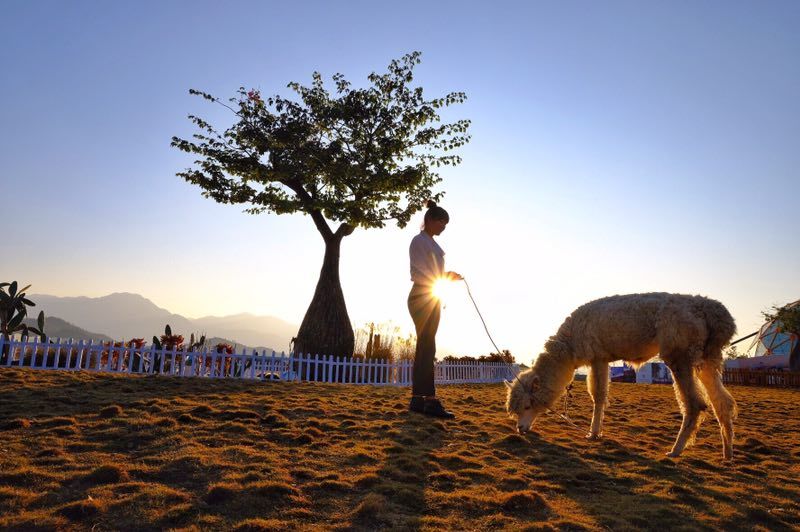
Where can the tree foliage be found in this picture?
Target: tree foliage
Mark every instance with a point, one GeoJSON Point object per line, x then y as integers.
{"type": "Point", "coordinates": [787, 318]}
{"type": "Point", "coordinates": [359, 156]}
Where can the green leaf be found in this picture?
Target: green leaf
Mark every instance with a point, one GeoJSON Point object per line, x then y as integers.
{"type": "Point", "coordinates": [40, 320]}
{"type": "Point", "coordinates": [12, 291]}
{"type": "Point", "coordinates": [168, 330]}
{"type": "Point", "coordinates": [16, 320]}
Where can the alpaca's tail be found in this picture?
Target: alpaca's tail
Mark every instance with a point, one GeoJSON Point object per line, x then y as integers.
{"type": "Point", "coordinates": [721, 328]}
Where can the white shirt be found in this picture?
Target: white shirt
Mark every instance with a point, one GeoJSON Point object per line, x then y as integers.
{"type": "Point", "coordinates": [427, 259]}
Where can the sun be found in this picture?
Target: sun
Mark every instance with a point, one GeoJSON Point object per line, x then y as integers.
{"type": "Point", "coordinates": [442, 289]}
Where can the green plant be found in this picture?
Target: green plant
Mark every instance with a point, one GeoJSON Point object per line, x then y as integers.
{"type": "Point", "coordinates": [170, 342]}
{"type": "Point", "coordinates": [13, 310]}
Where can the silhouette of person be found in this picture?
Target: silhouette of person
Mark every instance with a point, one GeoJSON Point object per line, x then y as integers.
{"type": "Point", "coordinates": [427, 266]}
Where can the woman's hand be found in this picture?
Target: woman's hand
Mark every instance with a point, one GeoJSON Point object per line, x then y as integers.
{"type": "Point", "coordinates": [453, 276]}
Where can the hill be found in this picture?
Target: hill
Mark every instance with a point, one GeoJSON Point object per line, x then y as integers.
{"type": "Point", "coordinates": [125, 316]}
{"type": "Point", "coordinates": [130, 452]}
{"type": "Point", "coordinates": [57, 328]}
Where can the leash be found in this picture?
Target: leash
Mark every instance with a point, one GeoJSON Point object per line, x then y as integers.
{"type": "Point", "coordinates": [480, 315]}
{"type": "Point", "coordinates": [500, 353]}
{"type": "Point", "coordinates": [567, 395]}
{"type": "Point", "coordinates": [565, 415]}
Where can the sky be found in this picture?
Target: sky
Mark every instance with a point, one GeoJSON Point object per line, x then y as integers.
{"type": "Point", "coordinates": [617, 147]}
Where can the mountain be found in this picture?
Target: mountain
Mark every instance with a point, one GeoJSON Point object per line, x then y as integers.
{"type": "Point", "coordinates": [58, 328]}
{"type": "Point", "coordinates": [249, 329]}
{"type": "Point", "coordinates": [126, 315]}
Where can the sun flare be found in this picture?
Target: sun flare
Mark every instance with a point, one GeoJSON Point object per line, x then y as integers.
{"type": "Point", "coordinates": [442, 289]}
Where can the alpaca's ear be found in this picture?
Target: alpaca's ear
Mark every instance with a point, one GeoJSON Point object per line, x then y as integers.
{"type": "Point", "coordinates": [508, 384]}
{"type": "Point", "coordinates": [534, 382]}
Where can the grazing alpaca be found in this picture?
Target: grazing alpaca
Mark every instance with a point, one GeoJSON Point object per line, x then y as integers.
{"type": "Point", "coordinates": [688, 332]}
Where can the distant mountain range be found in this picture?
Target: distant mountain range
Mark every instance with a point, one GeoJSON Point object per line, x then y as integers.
{"type": "Point", "coordinates": [125, 316]}
{"type": "Point", "coordinates": [58, 328]}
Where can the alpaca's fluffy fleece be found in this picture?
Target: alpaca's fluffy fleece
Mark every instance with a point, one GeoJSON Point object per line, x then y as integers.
{"type": "Point", "coordinates": [688, 332]}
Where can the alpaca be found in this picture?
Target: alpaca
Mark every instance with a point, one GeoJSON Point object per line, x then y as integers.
{"type": "Point", "coordinates": [688, 332]}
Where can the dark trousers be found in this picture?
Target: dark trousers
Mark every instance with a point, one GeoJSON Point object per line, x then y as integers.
{"type": "Point", "coordinates": [425, 310]}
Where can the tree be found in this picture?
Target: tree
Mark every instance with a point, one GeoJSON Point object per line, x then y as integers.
{"type": "Point", "coordinates": [787, 320]}
{"type": "Point", "coordinates": [356, 158]}
{"type": "Point", "coordinates": [504, 356]}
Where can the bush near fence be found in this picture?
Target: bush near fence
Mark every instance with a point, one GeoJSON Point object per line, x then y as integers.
{"type": "Point", "coordinates": [137, 359]}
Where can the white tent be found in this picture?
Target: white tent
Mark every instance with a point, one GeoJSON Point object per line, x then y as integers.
{"type": "Point", "coordinates": [772, 342]}
{"type": "Point", "coordinates": [771, 349]}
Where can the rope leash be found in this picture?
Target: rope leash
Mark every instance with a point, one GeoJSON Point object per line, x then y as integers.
{"type": "Point", "coordinates": [567, 395]}
{"type": "Point", "coordinates": [508, 366]}
{"type": "Point", "coordinates": [565, 415]}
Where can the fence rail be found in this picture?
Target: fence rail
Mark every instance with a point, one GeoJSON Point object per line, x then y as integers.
{"type": "Point", "coordinates": [760, 377]}
{"type": "Point", "coordinates": [69, 355]}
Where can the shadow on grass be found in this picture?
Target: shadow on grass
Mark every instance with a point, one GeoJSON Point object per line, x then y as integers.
{"type": "Point", "coordinates": [613, 501]}
{"type": "Point", "coordinates": [396, 496]}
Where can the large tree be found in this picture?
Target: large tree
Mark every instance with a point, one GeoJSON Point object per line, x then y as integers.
{"type": "Point", "coordinates": [360, 157]}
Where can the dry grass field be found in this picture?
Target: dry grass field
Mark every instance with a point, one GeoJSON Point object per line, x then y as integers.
{"type": "Point", "coordinates": [107, 452]}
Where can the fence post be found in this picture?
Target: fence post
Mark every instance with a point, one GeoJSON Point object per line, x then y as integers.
{"type": "Point", "coordinates": [110, 361]}
{"type": "Point", "coordinates": [80, 354]}
{"type": "Point", "coordinates": [151, 361]}
{"type": "Point", "coordinates": [10, 351]}
{"type": "Point", "coordinates": [33, 353]}
{"type": "Point", "coordinates": [253, 357]}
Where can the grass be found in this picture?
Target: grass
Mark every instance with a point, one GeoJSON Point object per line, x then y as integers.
{"type": "Point", "coordinates": [107, 452]}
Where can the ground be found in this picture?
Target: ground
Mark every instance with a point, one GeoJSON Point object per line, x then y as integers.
{"type": "Point", "coordinates": [107, 452]}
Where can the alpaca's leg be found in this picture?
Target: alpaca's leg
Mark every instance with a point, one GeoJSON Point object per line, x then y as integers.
{"type": "Point", "coordinates": [597, 384]}
{"type": "Point", "coordinates": [723, 403]}
{"type": "Point", "coordinates": [691, 402]}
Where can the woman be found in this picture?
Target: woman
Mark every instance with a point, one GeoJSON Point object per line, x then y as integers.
{"type": "Point", "coordinates": [427, 266]}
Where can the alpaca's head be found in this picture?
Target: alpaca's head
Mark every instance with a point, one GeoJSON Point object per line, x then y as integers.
{"type": "Point", "coordinates": [524, 400]}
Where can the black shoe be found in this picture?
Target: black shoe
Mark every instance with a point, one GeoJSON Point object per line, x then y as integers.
{"type": "Point", "coordinates": [434, 408]}
{"type": "Point", "coordinates": [417, 404]}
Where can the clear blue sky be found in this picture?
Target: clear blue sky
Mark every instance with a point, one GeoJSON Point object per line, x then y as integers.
{"type": "Point", "coordinates": [617, 147]}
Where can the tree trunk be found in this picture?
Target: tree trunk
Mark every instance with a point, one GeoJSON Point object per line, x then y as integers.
{"type": "Point", "coordinates": [794, 357]}
{"type": "Point", "coordinates": [326, 327]}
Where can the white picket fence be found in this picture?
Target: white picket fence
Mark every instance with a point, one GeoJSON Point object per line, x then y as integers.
{"type": "Point", "coordinates": [89, 356]}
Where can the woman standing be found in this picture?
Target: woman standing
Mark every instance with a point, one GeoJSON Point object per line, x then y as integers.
{"type": "Point", "coordinates": [427, 266]}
